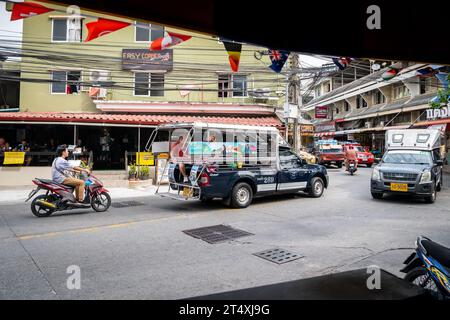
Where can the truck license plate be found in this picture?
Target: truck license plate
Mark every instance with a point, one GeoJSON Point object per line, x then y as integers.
{"type": "Point", "coordinates": [402, 187]}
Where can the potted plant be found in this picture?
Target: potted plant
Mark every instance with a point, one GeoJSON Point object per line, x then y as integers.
{"type": "Point", "coordinates": [132, 170]}
{"type": "Point", "coordinates": [144, 173]}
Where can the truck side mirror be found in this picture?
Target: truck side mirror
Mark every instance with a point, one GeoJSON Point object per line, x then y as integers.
{"type": "Point", "coordinates": [440, 162]}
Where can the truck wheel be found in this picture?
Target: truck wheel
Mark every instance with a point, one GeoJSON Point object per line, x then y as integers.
{"type": "Point", "coordinates": [369, 165]}
{"type": "Point", "coordinates": [432, 197]}
{"type": "Point", "coordinates": [377, 195]}
{"type": "Point", "coordinates": [241, 196]}
{"type": "Point", "coordinates": [339, 165]}
{"type": "Point", "coordinates": [317, 187]}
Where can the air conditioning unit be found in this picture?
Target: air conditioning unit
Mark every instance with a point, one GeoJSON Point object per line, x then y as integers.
{"type": "Point", "coordinates": [98, 77]}
{"type": "Point", "coordinates": [368, 125]}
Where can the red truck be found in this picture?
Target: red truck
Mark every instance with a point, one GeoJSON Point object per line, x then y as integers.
{"type": "Point", "coordinates": [329, 153]}
{"type": "Point", "coordinates": [364, 156]}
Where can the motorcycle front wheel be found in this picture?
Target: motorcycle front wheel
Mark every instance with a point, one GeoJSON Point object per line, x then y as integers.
{"type": "Point", "coordinates": [420, 277]}
{"type": "Point", "coordinates": [101, 202]}
{"type": "Point", "coordinates": [41, 211]}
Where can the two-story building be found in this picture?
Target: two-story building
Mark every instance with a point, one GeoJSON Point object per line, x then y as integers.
{"type": "Point", "coordinates": [366, 107]}
{"type": "Point", "coordinates": [108, 94]}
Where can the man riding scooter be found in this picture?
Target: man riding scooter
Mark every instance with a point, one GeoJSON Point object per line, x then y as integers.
{"type": "Point", "coordinates": [351, 157]}
{"type": "Point", "coordinates": [59, 168]}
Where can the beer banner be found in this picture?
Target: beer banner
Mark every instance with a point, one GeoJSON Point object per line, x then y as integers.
{"type": "Point", "coordinates": [145, 159]}
{"type": "Point", "coordinates": [14, 158]}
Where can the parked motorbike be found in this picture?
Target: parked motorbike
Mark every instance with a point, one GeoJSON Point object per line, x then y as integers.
{"type": "Point", "coordinates": [429, 268]}
{"type": "Point", "coordinates": [352, 166]}
{"type": "Point", "coordinates": [60, 197]}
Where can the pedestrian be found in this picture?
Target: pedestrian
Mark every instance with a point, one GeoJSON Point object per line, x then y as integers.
{"type": "Point", "coordinates": [4, 146]}
{"type": "Point", "coordinates": [24, 146]}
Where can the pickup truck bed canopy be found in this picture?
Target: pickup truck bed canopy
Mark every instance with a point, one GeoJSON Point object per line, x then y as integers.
{"type": "Point", "coordinates": [416, 139]}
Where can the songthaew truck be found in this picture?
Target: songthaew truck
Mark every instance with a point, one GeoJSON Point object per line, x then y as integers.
{"type": "Point", "coordinates": [232, 162]}
{"type": "Point", "coordinates": [411, 165]}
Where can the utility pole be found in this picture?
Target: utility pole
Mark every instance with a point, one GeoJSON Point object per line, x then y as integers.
{"type": "Point", "coordinates": [294, 97]}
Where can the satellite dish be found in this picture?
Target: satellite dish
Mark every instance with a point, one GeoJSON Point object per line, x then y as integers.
{"type": "Point", "coordinates": [376, 67]}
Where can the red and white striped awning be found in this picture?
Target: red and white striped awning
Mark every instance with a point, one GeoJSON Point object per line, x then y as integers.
{"type": "Point", "coordinates": [324, 134]}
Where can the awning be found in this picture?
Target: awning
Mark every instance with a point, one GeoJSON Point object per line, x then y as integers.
{"type": "Point", "coordinates": [432, 122]}
{"type": "Point", "coordinates": [324, 134]}
{"type": "Point", "coordinates": [133, 119]}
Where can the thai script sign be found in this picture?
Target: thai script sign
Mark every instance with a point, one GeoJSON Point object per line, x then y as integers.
{"type": "Point", "coordinates": [439, 113]}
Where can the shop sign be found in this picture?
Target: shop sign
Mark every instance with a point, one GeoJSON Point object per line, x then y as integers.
{"type": "Point", "coordinates": [327, 126]}
{"type": "Point", "coordinates": [321, 112]}
{"type": "Point", "coordinates": [144, 59]}
{"type": "Point", "coordinates": [307, 130]}
{"type": "Point", "coordinates": [145, 159]}
{"type": "Point", "coordinates": [438, 113]}
{"type": "Point", "coordinates": [14, 158]}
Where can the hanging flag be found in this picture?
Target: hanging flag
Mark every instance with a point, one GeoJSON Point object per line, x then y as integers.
{"type": "Point", "coordinates": [389, 74]}
{"type": "Point", "coordinates": [426, 72]}
{"type": "Point", "coordinates": [278, 58]}
{"type": "Point", "coordinates": [172, 39]}
{"type": "Point", "coordinates": [103, 27]}
{"type": "Point", "coordinates": [342, 63]}
{"type": "Point", "coordinates": [234, 54]}
{"type": "Point", "coordinates": [443, 79]}
{"type": "Point", "coordinates": [28, 9]}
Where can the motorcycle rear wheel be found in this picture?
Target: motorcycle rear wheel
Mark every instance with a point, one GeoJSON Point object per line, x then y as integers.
{"type": "Point", "coordinates": [420, 277]}
{"type": "Point", "coordinates": [101, 202]}
{"type": "Point", "coordinates": [41, 211]}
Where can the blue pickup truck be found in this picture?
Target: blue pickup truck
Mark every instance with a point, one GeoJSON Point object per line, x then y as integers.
{"type": "Point", "coordinates": [238, 182]}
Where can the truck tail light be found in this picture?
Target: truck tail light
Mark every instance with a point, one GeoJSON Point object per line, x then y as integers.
{"type": "Point", "coordinates": [204, 180]}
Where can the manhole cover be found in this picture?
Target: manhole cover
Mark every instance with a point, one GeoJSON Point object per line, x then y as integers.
{"type": "Point", "coordinates": [216, 234]}
{"type": "Point", "coordinates": [126, 204]}
{"type": "Point", "coordinates": [278, 255]}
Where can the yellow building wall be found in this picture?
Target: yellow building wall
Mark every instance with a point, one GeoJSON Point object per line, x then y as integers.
{"type": "Point", "coordinates": [105, 53]}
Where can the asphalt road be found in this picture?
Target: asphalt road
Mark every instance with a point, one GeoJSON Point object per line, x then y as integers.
{"type": "Point", "coordinates": [141, 252]}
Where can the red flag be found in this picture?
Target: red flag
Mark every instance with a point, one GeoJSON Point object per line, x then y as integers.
{"type": "Point", "coordinates": [234, 54]}
{"type": "Point", "coordinates": [28, 9]}
{"type": "Point", "coordinates": [168, 41]}
{"type": "Point", "coordinates": [103, 27]}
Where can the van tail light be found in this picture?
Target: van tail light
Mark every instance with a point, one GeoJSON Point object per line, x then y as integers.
{"type": "Point", "coordinates": [211, 169]}
{"type": "Point", "coordinates": [204, 180]}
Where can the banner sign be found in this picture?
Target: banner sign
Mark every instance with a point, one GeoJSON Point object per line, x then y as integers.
{"type": "Point", "coordinates": [14, 158]}
{"type": "Point", "coordinates": [321, 112]}
{"type": "Point", "coordinates": [326, 126]}
{"type": "Point", "coordinates": [439, 113]}
{"type": "Point", "coordinates": [144, 59]}
{"type": "Point", "coordinates": [145, 159]}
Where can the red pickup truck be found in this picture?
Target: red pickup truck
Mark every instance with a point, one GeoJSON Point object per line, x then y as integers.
{"type": "Point", "coordinates": [328, 154]}
{"type": "Point", "coordinates": [364, 157]}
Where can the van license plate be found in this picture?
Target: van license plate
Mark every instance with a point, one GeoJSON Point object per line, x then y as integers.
{"type": "Point", "coordinates": [402, 187]}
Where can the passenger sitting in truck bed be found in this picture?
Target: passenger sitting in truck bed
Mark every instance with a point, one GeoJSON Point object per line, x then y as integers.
{"type": "Point", "coordinates": [177, 155]}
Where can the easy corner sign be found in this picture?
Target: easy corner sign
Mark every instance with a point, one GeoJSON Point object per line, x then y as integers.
{"type": "Point", "coordinates": [14, 158]}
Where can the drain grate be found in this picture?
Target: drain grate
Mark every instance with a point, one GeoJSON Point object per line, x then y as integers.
{"type": "Point", "coordinates": [217, 234]}
{"type": "Point", "coordinates": [126, 204]}
{"type": "Point", "coordinates": [278, 255]}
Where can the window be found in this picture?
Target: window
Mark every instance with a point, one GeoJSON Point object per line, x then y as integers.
{"type": "Point", "coordinates": [149, 84]}
{"type": "Point", "coordinates": [337, 110]}
{"type": "Point", "coordinates": [224, 85]}
{"type": "Point", "coordinates": [400, 91]}
{"type": "Point", "coordinates": [346, 106]}
{"type": "Point", "coordinates": [145, 32]}
{"type": "Point", "coordinates": [360, 102]}
{"type": "Point", "coordinates": [66, 30]}
{"type": "Point", "coordinates": [240, 85]}
{"type": "Point", "coordinates": [288, 160]}
{"type": "Point", "coordinates": [65, 82]}
{"type": "Point", "coordinates": [378, 97]}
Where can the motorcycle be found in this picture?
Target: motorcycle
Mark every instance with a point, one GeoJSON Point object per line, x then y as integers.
{"type": "Point", "coordinates": [60, 197]}
{"type": "Point", "coordinates": [352, 166]}
{"type": "Point", "coordinates": [429, 268]}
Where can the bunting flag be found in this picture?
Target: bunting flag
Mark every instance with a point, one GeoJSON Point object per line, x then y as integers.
{"type": "Point", "coordinates": [103, 27]}
{"type": "Point", "coordinates": [392, 71]}
{"type": "Point", "coordinates": [278, 58]}
{"type": "Point", "coordinates": [27, 9]}
{"type": "Point", "coordinates": [426, 72]}
{"type": "Point", "coordinates": [234, 54]}
{"type": "Point", "coordinates": [443, 79]}
{"type": "Point", "coordinates": [342, 63]}
{"type": "Point", "coordinates": [172, 39]}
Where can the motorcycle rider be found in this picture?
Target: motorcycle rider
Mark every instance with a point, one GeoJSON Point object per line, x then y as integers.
{"type": "Point", "coordinates": [60, 165]}
{"type": "Point", "coordinates": [350, 155]}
